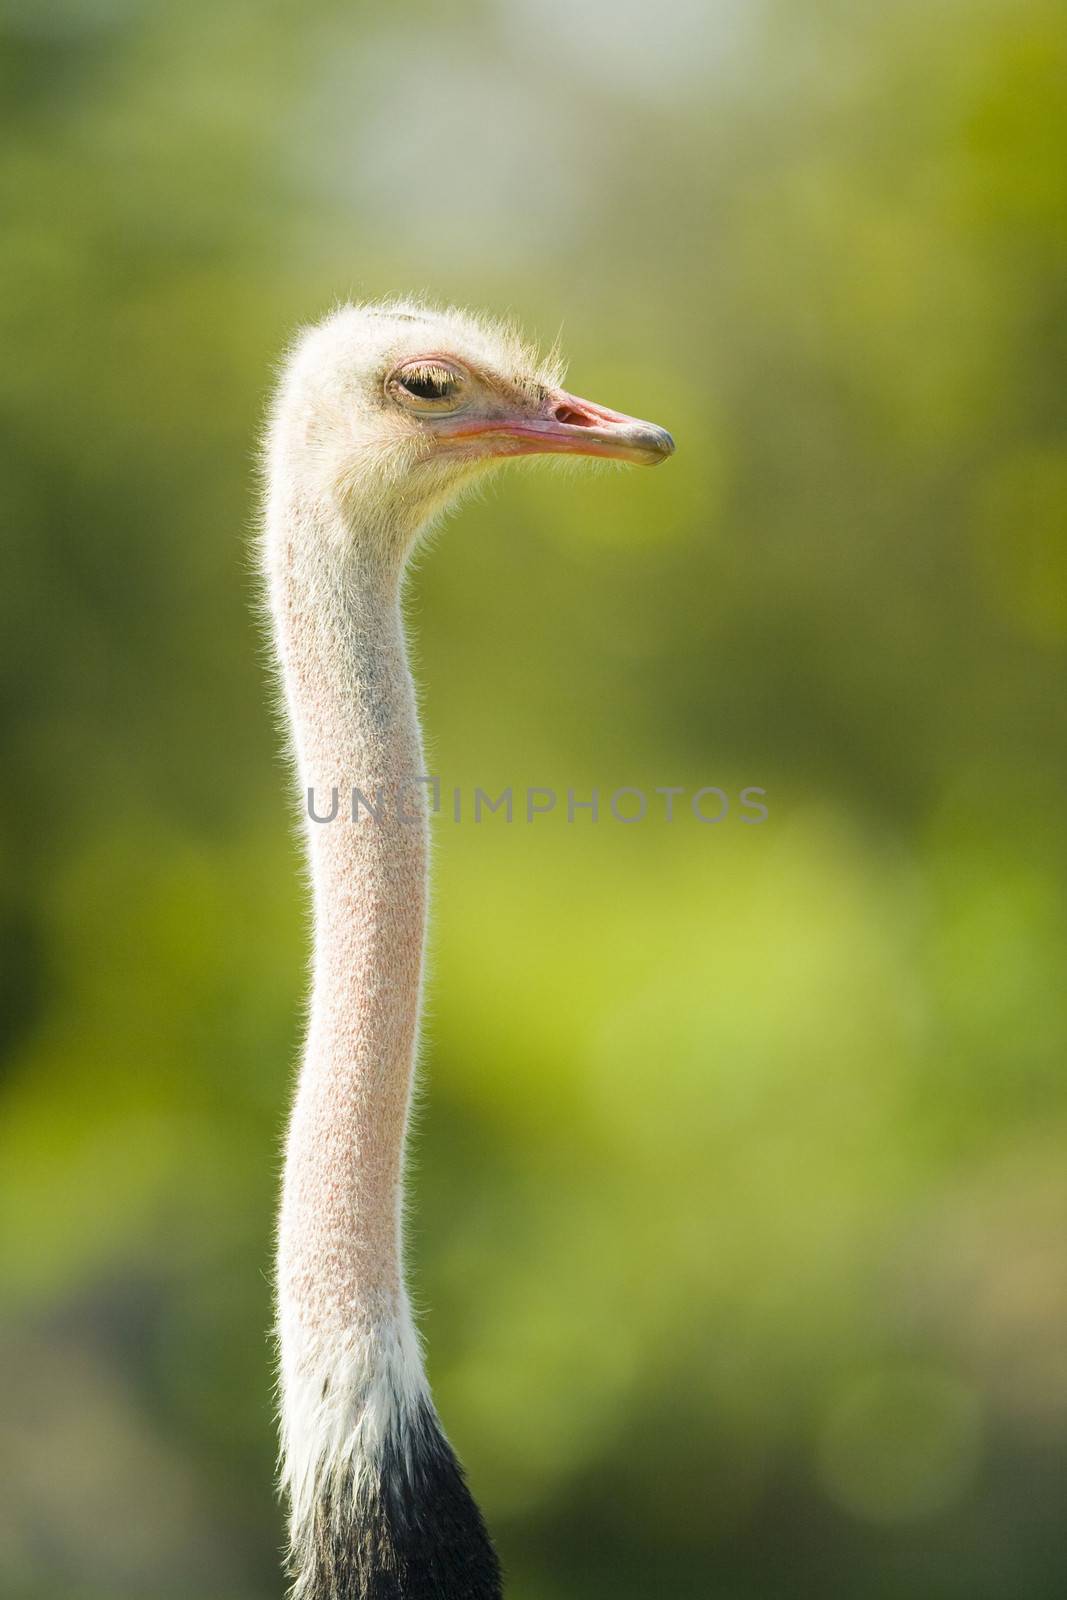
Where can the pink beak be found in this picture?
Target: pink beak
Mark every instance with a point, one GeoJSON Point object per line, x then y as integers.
{"type": "Point", "coordinates": [563, 425]}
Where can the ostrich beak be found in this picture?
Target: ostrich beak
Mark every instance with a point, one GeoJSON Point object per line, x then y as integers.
{"type": "Point", "coordinates": [561, 425]}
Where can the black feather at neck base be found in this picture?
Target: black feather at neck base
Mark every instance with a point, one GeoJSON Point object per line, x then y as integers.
{"type": "Point", "coordinates": [409, 1531]}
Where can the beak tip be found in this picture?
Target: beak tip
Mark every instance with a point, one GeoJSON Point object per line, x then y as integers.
{"type": "Point", "coordinates": [660, 445]}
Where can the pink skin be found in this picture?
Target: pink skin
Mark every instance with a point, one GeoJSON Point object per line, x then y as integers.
{"type": "Point", "coordinates": [562, 425]}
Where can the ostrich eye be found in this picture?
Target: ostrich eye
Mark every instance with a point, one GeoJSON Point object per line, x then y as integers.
{"type": "Point", "coordinates": [427, 385]}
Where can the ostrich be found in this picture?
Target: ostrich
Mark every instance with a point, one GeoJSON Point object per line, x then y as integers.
{"type": "Point", "coordinates": [383, 415]}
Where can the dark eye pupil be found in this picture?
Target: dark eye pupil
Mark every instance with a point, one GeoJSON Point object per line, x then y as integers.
{"type": "Point", "coordinates": [427, 385]}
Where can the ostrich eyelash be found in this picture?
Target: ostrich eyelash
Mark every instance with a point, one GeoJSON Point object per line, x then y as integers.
{"type": "Point", "coordinates": [428, 382]}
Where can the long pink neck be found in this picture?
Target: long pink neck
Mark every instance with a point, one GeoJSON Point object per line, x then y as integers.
{"type": "Point", "coordinates": [375, 1491]}
{"type": "Point", "coordinates": [352, 705]}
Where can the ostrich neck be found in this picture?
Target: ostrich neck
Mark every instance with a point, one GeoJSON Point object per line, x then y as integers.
{"type": "Point", "coordinates": [352, 705]}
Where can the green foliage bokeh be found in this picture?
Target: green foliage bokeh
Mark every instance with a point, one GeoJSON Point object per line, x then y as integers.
{"type": "Point", "coordinates": [739, 1196]}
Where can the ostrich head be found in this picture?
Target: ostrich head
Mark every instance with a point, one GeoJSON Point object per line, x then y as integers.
{"type": "Point", "coordinates": [387, 412]}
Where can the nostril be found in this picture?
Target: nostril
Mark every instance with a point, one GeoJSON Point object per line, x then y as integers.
{"type": "Point", "coordinates": [576, 419]}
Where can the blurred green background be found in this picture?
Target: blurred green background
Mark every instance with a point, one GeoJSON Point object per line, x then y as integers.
{"type": "Point", "coordinates": [740, 1199]}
